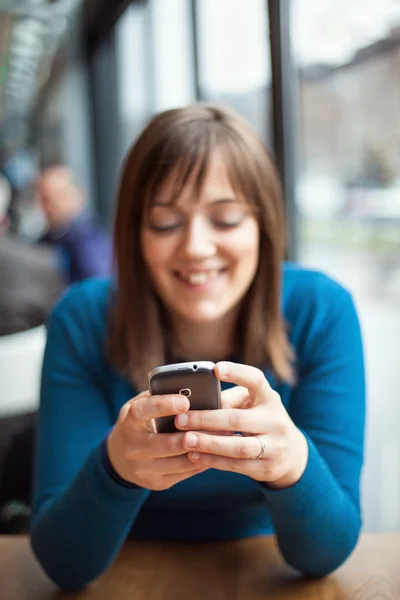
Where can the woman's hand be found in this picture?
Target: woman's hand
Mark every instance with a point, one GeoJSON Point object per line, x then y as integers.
{"type": "Point", "coordinates": [138, 454]}
{"type": "Point", "coordinates": [271, 448]}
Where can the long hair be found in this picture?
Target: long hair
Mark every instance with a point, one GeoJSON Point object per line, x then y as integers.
{"type": "Point", "coordinates": [183, 140]}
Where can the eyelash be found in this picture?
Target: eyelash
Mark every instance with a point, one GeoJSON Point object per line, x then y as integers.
{"type": "Point", "coordinates": [222, 225]}
{"type": "Point", "coordinates": [218, 225]}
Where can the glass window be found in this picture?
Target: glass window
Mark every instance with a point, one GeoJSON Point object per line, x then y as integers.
{"type": "Point", "coordinates": [348, 198]}
{"type": "Point", "coordinates": [154, 48]}
{"type": "Point", "coordinates": [172, 47]}
{"type": "Point", "coordinates": [133, 73]}
{"type": "Point", "coordinates": [234, 65]}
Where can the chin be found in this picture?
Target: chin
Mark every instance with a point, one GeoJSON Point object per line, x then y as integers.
{"type": "Point", "coordinates": [204, 315]}
{"type": "Point", "coordinates": [203, 319]}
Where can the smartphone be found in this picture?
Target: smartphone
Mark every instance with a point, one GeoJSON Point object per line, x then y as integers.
{"type": "Point", "coordinates": [196, 380]}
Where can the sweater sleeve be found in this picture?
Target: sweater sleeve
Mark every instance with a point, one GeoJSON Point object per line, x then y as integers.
{"type": "Point", "coordinates": [318, 520]}
{"type": "Point", "coordinates": [81, 516]}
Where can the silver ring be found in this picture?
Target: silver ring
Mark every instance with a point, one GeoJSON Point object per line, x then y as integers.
{"type": "Point", "coordinates": [262, 448]}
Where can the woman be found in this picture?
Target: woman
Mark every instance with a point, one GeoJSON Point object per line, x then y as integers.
{"type": "Point", "coordinates": [199, 243]}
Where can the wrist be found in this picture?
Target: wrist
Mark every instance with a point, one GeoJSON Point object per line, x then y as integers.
{"type": "Point", "coordinates": [109, 464]}
{"type": "Point", "coordinates": [111, 452]}
{"type": "Point", "coordinates": [298, 452]}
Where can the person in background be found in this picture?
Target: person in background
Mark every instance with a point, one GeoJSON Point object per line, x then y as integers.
{"type": "Point", "coordinates": [84, 247]}
{"type": "Point", "coordinates": [30, 284]}
{"type": "Point", "coordinates": [200, 242]}
{"type": "Point", "coordinates": [32, 277]}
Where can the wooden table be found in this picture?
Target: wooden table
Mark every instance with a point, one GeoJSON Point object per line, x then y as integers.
{"type": "Point", "coordinates": [240, 570]}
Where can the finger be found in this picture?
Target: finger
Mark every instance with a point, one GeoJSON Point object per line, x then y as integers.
{"type": "Point", "coordinates": [247, 376]}
{"type": "Point", "coordinates": [250, 467]}
{"type": "Point", "coordinates": [189, 473]}
{"type": "Point", "coordinates": [251, 420]}
{"type": "Point", "coordinates": [234, 446]}
{"type": "Point", "coordinates": [144, 408]}
{"type": "Point", "coordinates": [145, 446]}
{"type": "Point", "coordinates": [235, 397]}
{"type": "Point", "coordinates": [172, 466]}
{"type": "Point", "coordinates": [171, 480]}
{"type": "Point", "coordinates": [124, 411]}
{"type": "Point", "coordinates": [164, 445]}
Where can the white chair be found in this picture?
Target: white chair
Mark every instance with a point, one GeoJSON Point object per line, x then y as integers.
{"type": "Point", "coordinates": [21, 357]}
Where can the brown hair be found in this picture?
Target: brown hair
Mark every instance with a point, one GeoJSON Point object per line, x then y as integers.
{"type": "Point", "coordinates": [184, 140]}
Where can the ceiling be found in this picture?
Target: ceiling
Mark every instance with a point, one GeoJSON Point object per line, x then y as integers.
{"type": "Point", "coordinates": [30, 34]}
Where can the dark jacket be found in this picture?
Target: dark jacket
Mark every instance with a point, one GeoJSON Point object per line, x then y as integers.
{"type": "Point", "coordinates": [84, 249]}
{"type": "Point", "coordinates": [30, 283]}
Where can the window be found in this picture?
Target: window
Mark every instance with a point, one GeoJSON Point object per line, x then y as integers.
{"type": "Point", "coordinates": [155, 62]}
{"type": "Point", "coordinates": [133, 73]}
{"type": "Point", "coordinates": [348, 198]}
{"type": "Point", "coordinates": [234, 65]}
{"type": "Point", "coordinates": [174, 78]}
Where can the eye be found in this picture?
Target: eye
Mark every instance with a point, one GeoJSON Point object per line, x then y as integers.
{"type": "Point", "coordinates": [164, 228]}
{"type": "Point", "coordinates": [164, 219]}
{"type": "Point", "coordinates": [227, 224]}
{"type": "Point", "coordinates": [228, 218]}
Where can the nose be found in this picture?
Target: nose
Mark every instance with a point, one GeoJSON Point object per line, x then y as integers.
{"type": "Point", "coordinates": [198, 242]}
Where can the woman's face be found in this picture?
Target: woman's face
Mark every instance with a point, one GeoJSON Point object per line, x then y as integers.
{"type": "Point", "coordinates": [202, 253]}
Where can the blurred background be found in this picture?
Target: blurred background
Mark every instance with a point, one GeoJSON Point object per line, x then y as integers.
{"type": "Point", "coordinates": [318, 79]}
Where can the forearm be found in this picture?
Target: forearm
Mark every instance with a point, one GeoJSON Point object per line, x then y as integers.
{"type": "Point", "coordinates": [316, 522]}
{"type": "Point", "coordinates": [77, 535]}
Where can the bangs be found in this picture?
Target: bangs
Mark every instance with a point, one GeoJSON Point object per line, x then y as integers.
{"type": "Point", "coordinates": [241, 167]}
{"type": "Point", "coordinates": [184, 159]}
{"type": "Point", "coordinates": [175, 165]}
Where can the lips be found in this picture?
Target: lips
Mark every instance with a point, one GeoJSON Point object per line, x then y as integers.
{"type": "Point", "coordinates": [199, 278]}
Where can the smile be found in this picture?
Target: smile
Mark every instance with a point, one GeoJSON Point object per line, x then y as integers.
{"type": "Point", "coordinates": [199, 278]}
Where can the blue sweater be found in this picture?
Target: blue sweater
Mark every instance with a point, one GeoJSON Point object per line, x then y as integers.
{"type": "Point", "coordinates": [82, 515]}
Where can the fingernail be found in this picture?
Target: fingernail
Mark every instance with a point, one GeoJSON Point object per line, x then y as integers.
{"type": "Point", "coordinates": [191, 440]}
{"type": "Point", "coordinates": [181, 404]}
{"type": "Point", "coordinates": [223, 369]}
{"type": "Point", "coordinates": [194, 455]}
{"type": "Point", "coordinates": [183, 420]}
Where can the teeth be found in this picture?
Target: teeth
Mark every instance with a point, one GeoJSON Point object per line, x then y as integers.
{"type": "Point", "coordinates": [200, 277]}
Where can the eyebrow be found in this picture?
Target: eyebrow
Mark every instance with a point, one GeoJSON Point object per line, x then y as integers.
{"type": "Point", "coordinates": [218, 201]}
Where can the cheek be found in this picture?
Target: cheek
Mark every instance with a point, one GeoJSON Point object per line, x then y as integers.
{"type": "Point", "coordinates": [156, 251]}
{"type": "Point", "coordinates": [244, 248]}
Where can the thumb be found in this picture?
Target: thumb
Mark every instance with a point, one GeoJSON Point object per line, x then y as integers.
{"type": "Point", "coordinates": [235, 397]}
{"type": "Point", "coordinates": [125, 409]}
